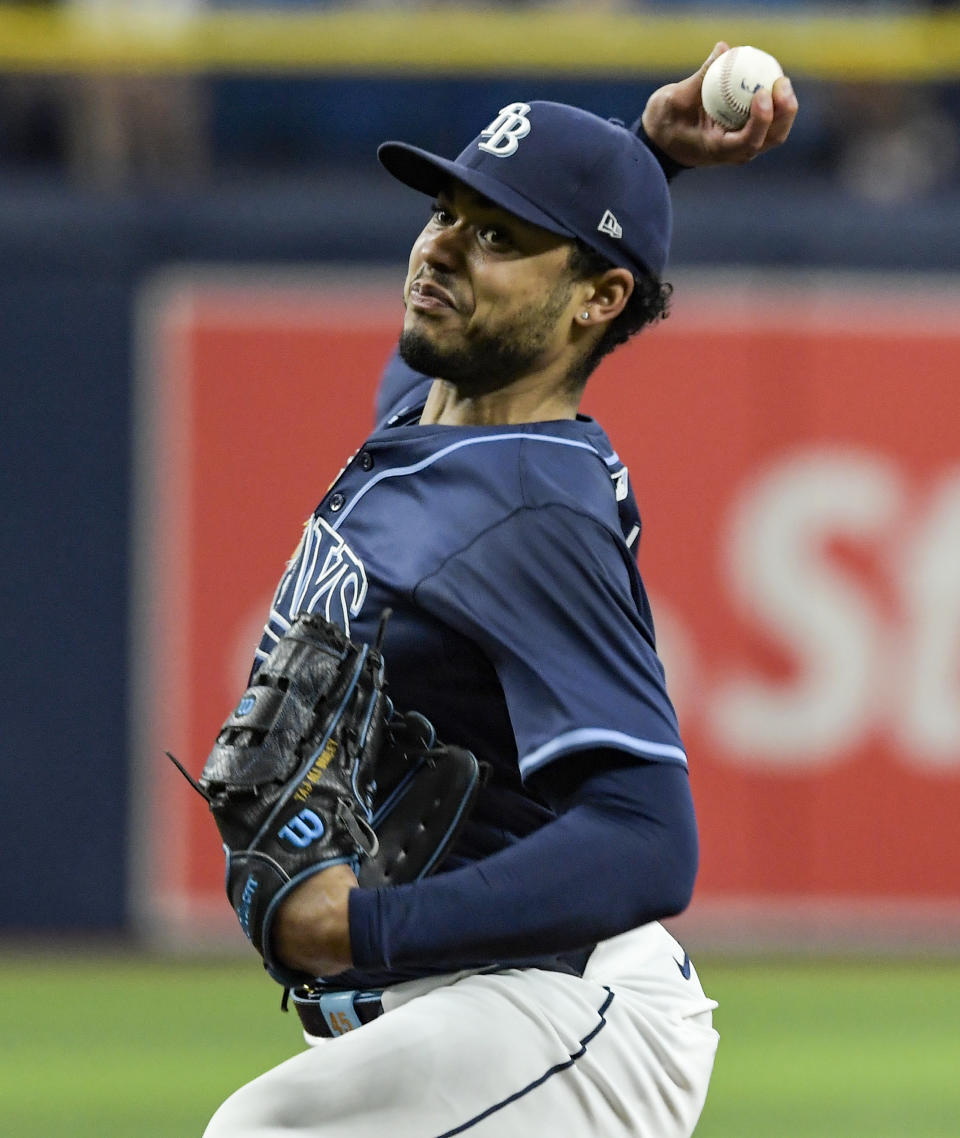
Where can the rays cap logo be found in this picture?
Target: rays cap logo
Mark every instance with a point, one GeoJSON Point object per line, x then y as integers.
{"type": "Point", "coordinates": [562, 168]}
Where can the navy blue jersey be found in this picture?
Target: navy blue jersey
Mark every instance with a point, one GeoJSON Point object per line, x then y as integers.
{"type": "Point", "coordinates": [400, 389]}
{"type": "Point", "coordinates": [520, 624]}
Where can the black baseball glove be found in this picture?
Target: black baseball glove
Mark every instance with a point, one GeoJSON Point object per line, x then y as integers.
{"type": "Point", "coordinates": [315, 768]}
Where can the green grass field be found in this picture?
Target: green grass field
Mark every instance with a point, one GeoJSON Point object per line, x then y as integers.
{"type": "Point", "coordinates": [119, 1047]}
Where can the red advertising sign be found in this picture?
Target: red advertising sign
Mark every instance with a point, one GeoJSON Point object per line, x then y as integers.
{"type": "Point", "coordinates": [796, 453]}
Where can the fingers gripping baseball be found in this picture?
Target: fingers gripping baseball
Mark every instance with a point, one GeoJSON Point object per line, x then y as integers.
{"type": "Point", "coordinates": [676, 120]}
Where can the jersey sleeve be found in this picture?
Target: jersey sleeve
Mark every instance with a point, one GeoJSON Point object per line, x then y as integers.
{"type": "Point", "coordinates": [627, 841]}
{"type": "Point", "coordinates": [552, 598]}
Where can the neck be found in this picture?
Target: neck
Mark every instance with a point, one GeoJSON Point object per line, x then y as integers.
{"type": "Point", "coordinates": [526, 402]}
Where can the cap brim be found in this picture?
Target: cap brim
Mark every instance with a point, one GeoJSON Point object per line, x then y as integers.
{"type": "Point", "coordinates": [429, 173]}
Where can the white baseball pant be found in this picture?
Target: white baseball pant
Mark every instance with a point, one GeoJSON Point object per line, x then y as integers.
{"type": "Point", "coordinates": [626, 1051]}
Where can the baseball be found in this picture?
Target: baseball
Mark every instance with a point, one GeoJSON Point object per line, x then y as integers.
{"type": "Point", "coordinates": [731, 82]}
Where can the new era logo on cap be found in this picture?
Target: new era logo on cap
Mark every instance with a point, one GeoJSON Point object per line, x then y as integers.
{"type": "Point", "coordinates": [610, 225]}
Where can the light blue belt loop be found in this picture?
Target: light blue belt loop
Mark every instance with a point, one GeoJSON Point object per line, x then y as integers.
{"type": "Point", "coordinates": [338, 1012]}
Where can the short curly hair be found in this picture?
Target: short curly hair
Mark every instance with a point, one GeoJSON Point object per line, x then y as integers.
{"type": "Point", "coordinates": [649, 302]}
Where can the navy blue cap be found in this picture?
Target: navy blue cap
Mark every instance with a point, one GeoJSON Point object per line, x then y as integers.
{"type": "Point", "coordinates": [564, 169]}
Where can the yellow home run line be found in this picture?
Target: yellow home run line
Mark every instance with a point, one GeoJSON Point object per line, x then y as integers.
{"type": "Point", "coordinates": [473, 41]}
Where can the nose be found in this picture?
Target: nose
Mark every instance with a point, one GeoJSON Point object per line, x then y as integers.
{"type": "Point", "coordinates": [441, 247]}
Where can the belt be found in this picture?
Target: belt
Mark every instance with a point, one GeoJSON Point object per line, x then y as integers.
{"type": "Point", "coordinates": [329, 1014]}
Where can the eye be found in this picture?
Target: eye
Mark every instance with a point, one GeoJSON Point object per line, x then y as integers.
{"type": "Point", "coordinates": [495, 237]}
{"type": "Point", "coordinates": [440, 215]}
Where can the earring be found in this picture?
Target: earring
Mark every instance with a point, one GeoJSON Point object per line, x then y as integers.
{"type": "Point", "coordinates": [585, 315]}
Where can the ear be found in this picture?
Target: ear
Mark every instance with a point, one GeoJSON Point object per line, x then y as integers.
{"type": "Point", "coordinates": [605, 297]}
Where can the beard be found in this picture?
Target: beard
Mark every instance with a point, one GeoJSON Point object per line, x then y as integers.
{"type": "Point", "coordinates": [489, 359]}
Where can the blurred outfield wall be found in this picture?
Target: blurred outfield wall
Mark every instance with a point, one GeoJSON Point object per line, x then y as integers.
{"type": "Point", "coordinates": [853, 833]}
{"type": "Point", "coordinates": [794, 450]}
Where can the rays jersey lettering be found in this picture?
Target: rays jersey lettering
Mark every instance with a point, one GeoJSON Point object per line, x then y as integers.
{"type": "Point", "coordinates": [504, 133]}
{"type": "Point", "coordinates": [324, 575]}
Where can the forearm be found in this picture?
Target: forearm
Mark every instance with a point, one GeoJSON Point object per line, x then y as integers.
{"type": "Point", "coordinates": [622, 855]}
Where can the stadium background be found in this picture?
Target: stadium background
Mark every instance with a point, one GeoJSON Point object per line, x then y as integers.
{"type": "Point", "coordinates": [158, 160]}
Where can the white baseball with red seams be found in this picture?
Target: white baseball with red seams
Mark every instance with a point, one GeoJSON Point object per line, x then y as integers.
{"type": "Point", "coordinates": [732, 80]}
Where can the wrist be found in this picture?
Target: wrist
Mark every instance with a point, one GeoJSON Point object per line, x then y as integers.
{"type": "Point", "coordinates": [311, 930]}
{"type": "Point", "coordinates": [670, 166]}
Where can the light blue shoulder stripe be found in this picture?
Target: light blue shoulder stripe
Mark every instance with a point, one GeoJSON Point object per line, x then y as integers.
{"type": "Point", "coordinates": [414, 468]}
{"type": "Point", "coordinates": [585, 738]}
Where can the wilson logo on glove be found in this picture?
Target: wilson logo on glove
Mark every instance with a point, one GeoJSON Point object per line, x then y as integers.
{"type": "Point", "coordinates": [303, 830]}
{"type": "Point", "coordinates": [315, 768]}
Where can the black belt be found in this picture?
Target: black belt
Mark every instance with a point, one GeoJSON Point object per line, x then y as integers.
{"type": "Point", "coordinates": [329, 1014]}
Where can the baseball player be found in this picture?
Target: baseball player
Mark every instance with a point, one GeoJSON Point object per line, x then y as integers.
{"type": "Point", "coordinates": [528, 988]}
